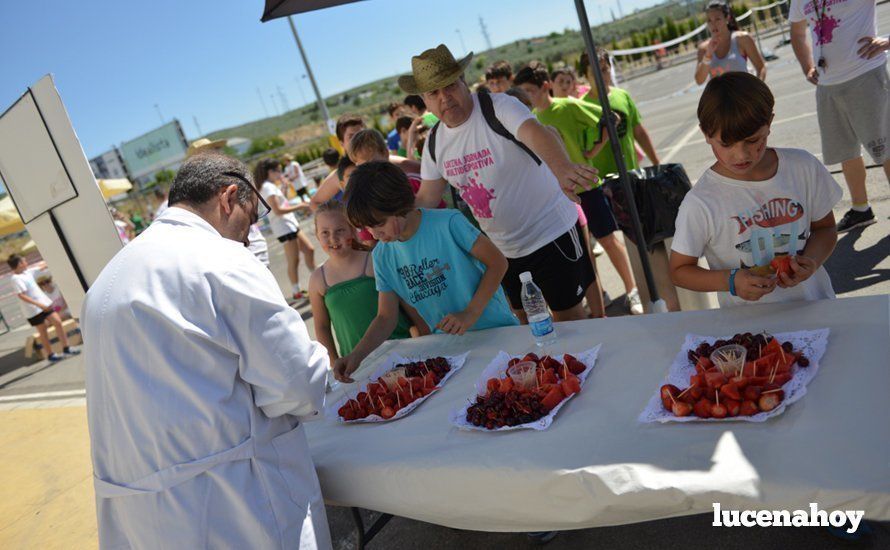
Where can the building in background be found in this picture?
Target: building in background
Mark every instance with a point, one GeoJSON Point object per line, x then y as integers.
{"type": "Point", "coordinates": [109, 165]}
{"type": "Point", "coordinates": [163, 148]}
{"type": "Point", "coordinates": [239, 144]}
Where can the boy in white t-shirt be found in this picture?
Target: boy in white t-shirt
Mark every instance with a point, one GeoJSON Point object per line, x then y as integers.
{"type": "Point", "coordinates": [754, 205]}
{"type": "Point", "coordinates": [38, 308]}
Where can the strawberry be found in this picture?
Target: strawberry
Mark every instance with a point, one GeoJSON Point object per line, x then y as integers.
{"type": "Point", "coordinates": [553, 398]}
{"type": "Point", "coordinates": [752, 393]}
{"type": "Point", "coordinates": [505, 385]}
{"type": "Point", "coordinates": [387, 412]}
{"type": "Point", "coordinates": [702, 408]}
{"type": "Point", "coordinates": [732, 407]}
{"type": "Point", "coordinates": [714, 379]}
{"type": "Point", "coordinates": [681, 409]}
{"type": "Point", "coordinates": [550, 363]}
{"type": "Point", "coordinates": [575, 367]}
{"type": "Point", "coordinates": [703, 365]}
{"type": "Point", "coordinates": [697, 380]}
{"type": "Point", "coordinates": [748, 408]}
{"type": "Point", "coordinates": [769, 401]}
{"type": "Point", "coordinates": [570, 386]}
{"type": "Point", "coordinates": [669, 391]}
{"type": "Point", "coordinates": [730, 391]}
{"type": "Point", "coordinates": [549, 377]}
{"type": "Point", "coordinates": [782, 264]}
{"type": "Point", "coordinates": [718, 410]}
{"type": "Point", "coordinates": [531, 357]}
{"type": "Point", "coordinates": [513, 361]}
{"type": "Point", "coordinates": [493, 384]}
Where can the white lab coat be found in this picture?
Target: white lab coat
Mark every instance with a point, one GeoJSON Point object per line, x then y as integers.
{"type": "Point", "coordinates": [198, 374]}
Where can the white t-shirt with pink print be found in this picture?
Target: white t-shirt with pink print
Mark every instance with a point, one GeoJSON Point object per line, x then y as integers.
{"type": "Point", "coordinates": [837, 26]}
{"type": "Point", "coordinates": [517, 202]}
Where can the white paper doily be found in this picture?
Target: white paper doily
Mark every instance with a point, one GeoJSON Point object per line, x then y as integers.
{"type": "Point", "coordinates": [811, 342]}
{"type": "Point", "coordinates": [498, 369]}
{"type": "Point", "coordinates": [330, 411]}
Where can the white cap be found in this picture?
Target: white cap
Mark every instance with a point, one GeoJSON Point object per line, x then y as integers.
{"type": "Point", "coordinates": [525, 276]}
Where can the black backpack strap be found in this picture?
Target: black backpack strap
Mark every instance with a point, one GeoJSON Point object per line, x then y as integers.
{"type": "Point", "coordinates": [431, 141]}
{"type": "Point", "coordinates": [487, 107]}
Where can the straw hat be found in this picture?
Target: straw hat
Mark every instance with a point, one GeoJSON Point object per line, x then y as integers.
{"type": "Point", "coordinates": [433, 69]}
{"type": "Point", "coordinates": [204, 144]}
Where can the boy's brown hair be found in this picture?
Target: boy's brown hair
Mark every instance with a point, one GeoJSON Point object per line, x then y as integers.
{"type": "Point", "coordinates": [368, 139]}
{"type": "Point", "coordinates": [499, 69]}
{"type": "Point", "coordinates": [14, 261]}
{"type": "Point", "coordinates": [377, 190]}
{"type": "Point", "coordinates": [534, 73]}
{"type": "Point", "coordinates": [584, 62]}
{"type": "Point", "coordinates": [345, 122]}
{"type": "Point", "coordinates": [403, 123]}
{"type": "Point", "coordinates": [735, 104]}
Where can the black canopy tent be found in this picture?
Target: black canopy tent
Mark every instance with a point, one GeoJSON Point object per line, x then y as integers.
{"type": "Point", "coordinates": [282, 8]}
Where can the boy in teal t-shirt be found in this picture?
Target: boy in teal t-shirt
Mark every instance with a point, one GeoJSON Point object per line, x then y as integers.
{"type": "Point", "coordinates": [630, 126]}
{"type": "Point", "coordinates": [432, 259]}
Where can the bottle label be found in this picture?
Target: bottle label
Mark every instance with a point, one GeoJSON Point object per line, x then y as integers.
{"type": "Point", "coordinates": [542, 327]}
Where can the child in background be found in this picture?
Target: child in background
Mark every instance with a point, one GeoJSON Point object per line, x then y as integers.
{"type": "Point", "coordinates": [434, 260]}
{"type": "Point", "coordinates": [499, 76]}
{"type": "Point", "coordinates": [753, 205]}
{"type": "Point", "coordinates": [342, 291]}
{"type": "Point", "coordinates": [38, 309]}
{"type": "Point", "coordinates": [565, 83]}
{"type": "Point", "coordinates": [284, 224]}
{"type": "Point", "coordinates": [620, 102]}
{"type": "Point", "coordinates": [369, 145]}
{"type": "Point", "coordinates": [403, 124]}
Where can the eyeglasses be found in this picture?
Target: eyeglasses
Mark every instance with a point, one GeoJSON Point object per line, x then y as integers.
{"type": "Point", "coordinates": [262, 206]}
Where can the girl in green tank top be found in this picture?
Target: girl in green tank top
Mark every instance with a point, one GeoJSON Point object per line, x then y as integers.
{"type": "Point", "coordinates": [343, 292]}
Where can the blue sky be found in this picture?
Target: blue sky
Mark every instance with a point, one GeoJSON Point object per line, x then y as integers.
{"type": "Point", "coordinates": [113, 61]}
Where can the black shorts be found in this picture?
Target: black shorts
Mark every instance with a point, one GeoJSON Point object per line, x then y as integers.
{"type": "Point", "coordinates": [38, 319]}
{"type": "Point", "coordinates": [600, 221]}
{"type": "Point", "coordinates": [288, 237]}
{"type": "Point", "coordinates": [561, 269]}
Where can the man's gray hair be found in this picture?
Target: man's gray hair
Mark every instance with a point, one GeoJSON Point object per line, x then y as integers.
{"type": "Point", "coordinates": [201, 177]}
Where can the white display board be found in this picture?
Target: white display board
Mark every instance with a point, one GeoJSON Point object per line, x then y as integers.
{"type": "Point", "coordinates": [50, 181]}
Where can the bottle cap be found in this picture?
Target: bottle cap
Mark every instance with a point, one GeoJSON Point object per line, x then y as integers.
{"type": "Point", "coordinates": [525, 276]}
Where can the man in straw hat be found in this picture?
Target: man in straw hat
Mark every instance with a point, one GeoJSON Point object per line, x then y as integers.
{"type": "Point", "coordinates": [515, 175]}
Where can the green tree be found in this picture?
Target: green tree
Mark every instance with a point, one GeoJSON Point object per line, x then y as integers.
{"type": "Point", "coordinates": [261, 145]}
{"type": "Point", "coordinates": [670, 29]}
{"type": "Point", "coordinates": [164, 176]}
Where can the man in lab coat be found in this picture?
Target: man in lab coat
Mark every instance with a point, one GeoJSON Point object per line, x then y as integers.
{"type": "Point", "coordinates": [198, 375]}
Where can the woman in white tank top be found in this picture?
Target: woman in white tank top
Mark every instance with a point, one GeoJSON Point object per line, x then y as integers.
{"type": "Point", "coordinates": [728, 49]}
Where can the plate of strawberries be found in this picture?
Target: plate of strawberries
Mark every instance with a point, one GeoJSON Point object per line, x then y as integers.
{"type": "Point", "coordinates": [524, 392]}
{"type": "Point", "coordinates": [744, 377]}
{"type": "Point", "coordinates": [399, 385]}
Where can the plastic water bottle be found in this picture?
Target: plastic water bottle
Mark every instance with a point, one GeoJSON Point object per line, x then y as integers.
{"type": "Point", "coordinates": [539, 318]}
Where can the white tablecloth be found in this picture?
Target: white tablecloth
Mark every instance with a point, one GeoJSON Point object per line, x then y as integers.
{"type": "Point", "coordinates": [597, 465]}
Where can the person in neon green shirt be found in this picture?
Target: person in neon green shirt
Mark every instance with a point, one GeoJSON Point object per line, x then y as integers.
{"type": "Point", "coordinates": [629, 119]}
{"type": "Point", "coordinates": [578, 122]}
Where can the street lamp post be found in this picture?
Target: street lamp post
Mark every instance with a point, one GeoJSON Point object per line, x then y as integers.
{"type": "Point", "coordinates": [321, 104]}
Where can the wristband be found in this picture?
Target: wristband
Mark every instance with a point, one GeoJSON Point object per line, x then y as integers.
{"type": "Point", "coordinates": [732, 273]}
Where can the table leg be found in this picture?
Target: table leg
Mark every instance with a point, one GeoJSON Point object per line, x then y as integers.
{"type": "Point", "coordinates": [363, 537]}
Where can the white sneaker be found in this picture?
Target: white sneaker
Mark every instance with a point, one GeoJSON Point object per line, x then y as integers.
{"type": "Point", "coordinates": [633, 303]}
{"type": "Point", "coordinates": [598, 250]}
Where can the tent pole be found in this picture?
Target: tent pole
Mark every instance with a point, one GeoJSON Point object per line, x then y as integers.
{"type": "Point", "coordinates": [616, 151]}
{"type": "Point", "coordinates": [321, 104]}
